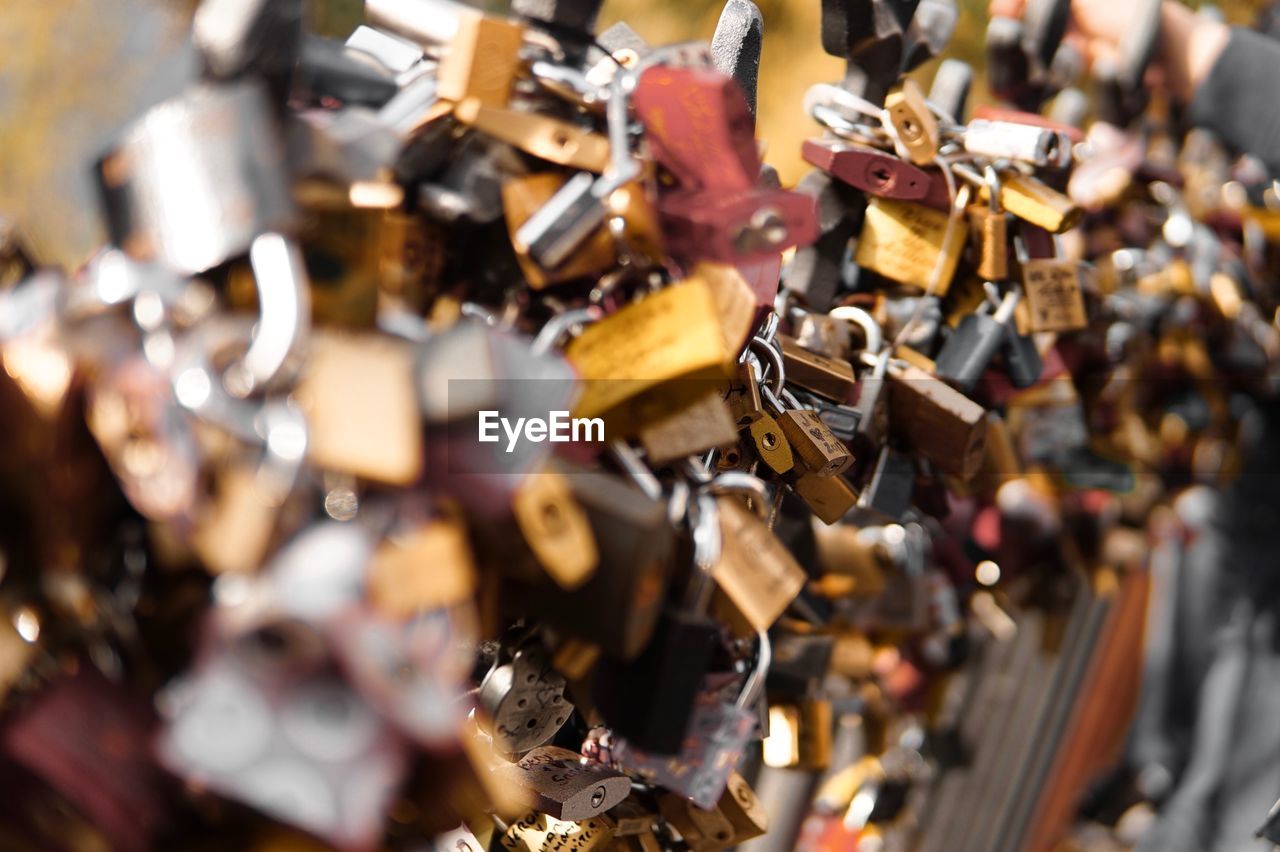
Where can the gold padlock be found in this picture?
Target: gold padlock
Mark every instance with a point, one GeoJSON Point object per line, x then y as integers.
{"type": "Point", "coordinates": [482, 61]}
{"type": "Point", "coordinates": [938, 421]}
{"type": "Point", "coordinates": [544, 137]}
{"type": "Point", "coordinates": [913, 122]}
{"type": "Point", "coordinates": [1055, 301]}
{"type": "Point", "coordinates": [556, 528]}
{"type": "Point", "coordinates": [829, 497]}
{"type": "Point", "coordinates": [537, 832]}
{"type": "Point", "coordinates": [1034, 202]}
{"type": "Point", "coordinates": [424, 568]}
{"type": "Point", "coordinates": [820, 451]}
{"type": "Point", "coordinates": [755, 571]}
{"type": "Point", "coordinates": [672, 334]}
{"type": "Point", "coordinates": [770, 444]}
{"type": "Point", "coordinates": [695, 428]}
{"type": "Point", "coordinates": [827, 377]}
{"type": "Point", "coordinates": [907, 242]}
{"type": "Point", "coordinates": [357, 392]}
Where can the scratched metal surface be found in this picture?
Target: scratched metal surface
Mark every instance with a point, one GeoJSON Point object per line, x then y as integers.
{"type": "Point", "coordinates": [72, 73]}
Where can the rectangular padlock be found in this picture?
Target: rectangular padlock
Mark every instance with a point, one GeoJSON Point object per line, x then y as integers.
{"type": "Point", "coordinates": [755, 572]}
{"type": "Point", "coordinates": [818, 449]}
{"type": "Point", "coordinates": [867, 169]}
{"type": "Point", "coordinates": [738, 226]}
{"type": "Point", "coordinates": [827, 377]}
{"type": "Point", "coordinates": [1055, 301]}
{"type": "Point", "coordinates": [542, 136]}
{"type": "Point", "coordinates": [672, 334]}
{"type": "Point", "coordinates": [358, 396]}
{"type": "Point", "coordinates": [691, 430]}
{"type": "Point", "coordinates": [908, 243]}
{"type": "Point", "coordinates": [699, 127]}
{"type": "Point", "coordinates": [1035, 202]}
{"type": "Point", "coordinates": [399, 583]}
{"type": "Point", "coordinates": [482, 61]}
{"type": "Point", "coordinates": [538, 832]}
{"type": "Point", "coordinates": [829, 497]}
{"type": "Point", "coordinates": [937, 421]}
{"type": "Point", "coordinates": [916, 129]}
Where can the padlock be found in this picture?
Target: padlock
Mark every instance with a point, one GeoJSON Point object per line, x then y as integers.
{"type": "Point", "coordinates": [712, 744]}
{"type": "Point", "coordinates": [812, 442]}
{"type": "Point", "coordinates": [991, 231]}
{"type": "Point", "coordinates": [910, 243]}
{"type": "Point", "coordinates": [701, 425]}
{"type": "Point", "coordinates": [824, 334]}
{"type": "Point", "coordinates": [889, 489]}
{"type": "Point", "coordinates": [842, 420]}
{"type": "Point", "coordinates": [976, 341]}
{"type": "Point", "coordinates": [358, 396]}
{"type": "Point", "coordinates": [541, 136]}
{"type": "Point", "coordinates": [936, 420]}
{"type": "Point", "coordinates": [755, 573]}
{"type": "Point", "coordinates": [770, 443]}
{"type": "Point", "coordinates": [620, 604]}
{"type": "Point", "coordinates": [740, 226]}
{"type": "Point", "coordinates": [827, 377]}
{"type": "Point", "coordinates": [555, 528]}
{"type": "Point", "coordinates": [1055, 301]}
{"type": "Point", "coordinates": [1007, 140]}
{"type": "Point", "coordinates": [648, 701]}
{"type": "Point", "coordinates": [538, 832]}
{"type": "Point", "coordinates": [482, 61]}
{"type": "Point", "coordinates": [1034, 202]}
{"type": "Point", "coordinates": [699, 126]}
{"type": "Point", "coordinates": [736, 45]}
{"type": "Point", "coordinates": [915, 129]}
{"type": "Point", "coordinates": [630, 351]}
{"type": "Point", "coordinates": [524, 698]}
{"type": "Point", "coordinates": [398, 586]}
{"type": "Point", "coordinates": [867, 169]}
{"type": "Point", "coordinates": [220, 138]}
{"type": "Point", "coordinates": [566, 785]}
{"type": "Point", "coordinates": [829, 497]}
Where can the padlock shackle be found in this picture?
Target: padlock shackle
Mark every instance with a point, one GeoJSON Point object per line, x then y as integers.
{"type": "Point", "coordinates": [754, 684]}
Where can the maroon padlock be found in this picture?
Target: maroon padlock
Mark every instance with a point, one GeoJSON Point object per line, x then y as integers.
{"type": "Point", "coordinates": [698, 126]}
{"type": "Point", "coordinates": [867, 169]}
{"type": "Point", "coordinates": [736, 227]}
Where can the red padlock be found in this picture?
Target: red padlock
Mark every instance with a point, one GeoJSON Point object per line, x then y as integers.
{"type": "Point", "coordinates": [867, 169]}
{"type": "Point", "coordinates": [736, 227]}
{"type": "Point", "coordinates": [698, 126]}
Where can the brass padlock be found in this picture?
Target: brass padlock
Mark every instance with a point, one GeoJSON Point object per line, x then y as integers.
{"type": "Point", "coordinates": [358, 394]}
{"type": "Point", "coordinates": [566, 785]}
{"type": "Point", "coordinates": [938, 421]}
{"type": "Point", "coordinates": [525, 195]}
{"type": "Point", "coordinates": [914, 125]}
{"type": "Point", "coordinates": [556, 528]}
{"type": "Point", "coordinates": [695, 428]}
{"type": "Point", "coordinates": [755, 571]}
{"type": "Point", "coordinates": [1055, 301]}
{"type": "Point", "coordinates": [821, 452]}
{"type": "Point", "coordinates": [674, 333]}
{"type": "Point", "coordinates": [423, 568]}
{"type": "Point", "coordinates": [483, 58]}
{"type": "Point", "coordinates": [829, 497]}
{"type": "Point", "coordinates": [537, 134]}
{"type": "Point", "coordinates": [737, 817]}
{"type": "Point", "coordinates": [827, 377]}
{"type": "Point", "coordinates": [1034, 202]}
{"type": "Point", "coordinates": [743, 397]}
{"type": "Point", "coordinates": [990, 227]}
{"type": "Point", "coordinates": [771, 444]}
{"type": "Point", "coordinates": [910, 244]}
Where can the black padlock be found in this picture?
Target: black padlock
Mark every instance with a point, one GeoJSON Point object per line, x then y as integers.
{"type": "Point", "coordinates": [970, 348]}
{"type": "Point", "coordinates": [892, 483]}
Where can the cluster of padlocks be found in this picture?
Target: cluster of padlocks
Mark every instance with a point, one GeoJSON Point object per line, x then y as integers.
{"type": "Point", "coordinates": [465, 442]}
